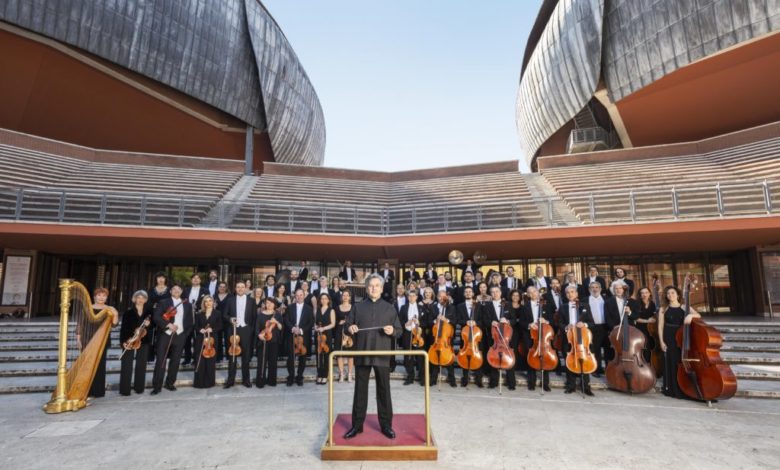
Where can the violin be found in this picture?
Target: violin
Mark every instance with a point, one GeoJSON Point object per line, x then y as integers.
{"type": "Point", "coordinates": [322, 343]}
{"type": "Point", "coordinates": [134, 342]}
{"type": "Point", "coordinates": [656, 354]}
{"type": "Point", "coordinates": [441, 352]}
{"type": "Point", "coordinates": [268, 332]}
{"type": "Point", "coordinates": [235, 344]}
{"type": "Point", "coordinates": [208, 349]}
{"type": "Point", "coordinates": [298, 348]}
{"type": "Point", "coordinates": [580, 360]}
{"type": "Point", "coordinates": [170, 314]}
{"type": "Point", "coordinates": [417, 335]}
{"type": "Point", "coordinates": [470, 356]}
{"type": "Point", "coordinates": [542, 356]}
{"type": "Point", "coordinates": [702, 374]}
{"type": "Point", "coordinates": [346, 340]}
{"type": "Point", "coordinates": [629, 372]}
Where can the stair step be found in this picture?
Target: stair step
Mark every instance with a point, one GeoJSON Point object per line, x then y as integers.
{"type": "Point", "coordinates": [756, 372]}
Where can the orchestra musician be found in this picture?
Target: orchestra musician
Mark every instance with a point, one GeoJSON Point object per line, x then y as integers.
{"type": "Point", "coordinates": [213, 282]}
{"type": "Point", "coordinates": [220, 303]}
{"type": "Point", "coordinates": [411, 274]}
{"type": "Point", "coordinates": [614, 309]}
{"type": "Point", "coordinates": [348, 273]}
{"type": "Point", "coordinates": [170, 343]}
{"type": "Point", "coordinates": [494, 312]}
{"type": "Point", "coordinates": [207, 321]}
{"type": "Point", "coordinates": [342, 312]}
{"type": "Point", "coordinates": [469, 315]}
{"type": "Point", "coordinates": [299, 320]}
{"type": "Point", "coordinates": [510, 282]}
{"type": "Point", "coordinates": [620, 274]}
{"type": "Point", "coordinates": [468, 266]}
{"type": "Point", "coordinates": [430, 275]}
{"type": "Point", "coordinates": [268, 350]}
{"type": "Point", "coordinates": [325, 319]}
{"type": "Point", "coordinates": [554, 301]}
{"type": "Point", "coordinates": [270, 285]}
{"type": "Point", "coordinates": [133, 317]}
{"type": "Point", "coordinates": [646, 315]}
{"type": "Point", "coordinates": [294, 282]}
{"type": "Point", "coordinates": [539, 280]}
{"type": "Point", "coordinates": [574, 313]}
{"type": "Point", "coordinates": [194, 294]}
{"type": "Point", "coordinates": [445, 311]}
{"type": "Point", "coordinates": [598, 327]}
{"type": "Point", "coordinates": [670, 318]}
{"type": "Point", "coordinates": [159, 292]}
{"type": "Point", "coordinates": [411, 316]}
{"type": "Point", "coordinates": [528, 321]}
{"type": "Point", "coordinates": [99, 297]}
{"type": "Point", "coordinates": [593, 276]}
{"type": "Point", "coordinates": [374, 325]}
{"type": "Point", "coordinates": [241, 314]}
{"type": "Point", "coordinates": [389, 276]}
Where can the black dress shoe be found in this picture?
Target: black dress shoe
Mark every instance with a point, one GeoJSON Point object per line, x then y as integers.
{"type": "Point", "coordinates": [479, 383]}
{"type": "Point", "coordinates": [247, 384]}
{"type": "Point", "coordinates": [568, 390]}
{"type": "Point", "coordinates": [289, 381]}
{"type": "Point", "coordinates": [452, 382]}
{"type": "Point", "coordinates": [353, 432]}
{"type": "Point", "coordinates": [170, 387]}
{"type": "Point", "coordinates": [227, 385]}
{"type": "Point", "coordinates": [511, 387]}
{"type": "Point", "coordinates": [531, 387]}
{"type": "Point", "coordinates": [388, 432]}
{"type": "Point", "coordinates": [464, 382]}
{"type": "Point", "coordinates": [155, 392]}
{"type": "Point", "coordinates": [299, 382]}
{"type": "Point", "coordinates": [589, 392]}
{"type": "Point", "coordinates": [546, 388]}
{"type": "Point", "coordinates": [408, 381]}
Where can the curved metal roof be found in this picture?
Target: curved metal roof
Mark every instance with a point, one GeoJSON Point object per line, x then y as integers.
{"type": "Point", "coordinates": [229, 54]}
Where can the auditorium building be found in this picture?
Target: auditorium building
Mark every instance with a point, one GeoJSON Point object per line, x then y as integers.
{"type": "Point", "coordinates": [134, 141]}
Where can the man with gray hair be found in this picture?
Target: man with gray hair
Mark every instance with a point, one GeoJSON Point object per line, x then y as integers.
{"type": "Point", "coordinates": [599, 330]}
{"type": "Point", "coordinates": [375, 325]}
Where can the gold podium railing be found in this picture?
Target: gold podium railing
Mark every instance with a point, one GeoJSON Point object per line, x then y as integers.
{"type": "Point", "coordinates": [397, 352]}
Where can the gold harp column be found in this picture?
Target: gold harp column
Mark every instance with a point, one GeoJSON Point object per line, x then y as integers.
{"type": "Point", "coordinates": [60, 403]}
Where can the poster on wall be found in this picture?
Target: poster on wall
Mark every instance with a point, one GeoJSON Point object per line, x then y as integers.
{"type": "Point", "coordinates": [16, 279]}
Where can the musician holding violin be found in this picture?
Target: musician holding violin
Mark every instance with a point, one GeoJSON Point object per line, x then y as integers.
{"type": "Point", "coordinates": [240, 317]}
{"type": "Point", "coordinates": [173, 318]}
{"type": "Point", "coordinates": [325, 320]}
{"type": "Point", "coordinates": [412, 317]}
{"type": "Point", "coordinates": [208, 325]}
{"type": "Point", "coordinates": [298, 323]}
{"type": "Point", "coordinates": [534, 313]}
{"type": "Point", "coordinates": [496, 316]}
{"type": "Point", "coordinates": [670, 318]}
{"type": "Point", "coordinates": [136, 339]}
{"type": "Point", "coordinates": [341, 340]}
{"type": "Point", "coordinates": [574, 314]}
{"type": "Point", "coordinates": [269, 335]}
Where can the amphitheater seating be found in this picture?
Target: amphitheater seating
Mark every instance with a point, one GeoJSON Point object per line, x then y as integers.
{"type": "Point", "coordinates": [106, 192]}
{"type": "Point", "coordinates": [740, 170]}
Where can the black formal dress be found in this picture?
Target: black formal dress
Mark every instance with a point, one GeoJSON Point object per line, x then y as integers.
{"type": "Point", "coordinates": [673, 320]}
{"type": "Point", "coordinates": [245, 331]}
{"type": "Point", "coordinates": [206, 368]}
{"type": "Point", "coordinates": [267, 351]}
{"type": "Point", "coordinates": [339, 331]}
{"type": "Point", "coordinates": [529, 314]}
{"type": "Point", "coordinates": [172, 344]}
{"type": "Point", "coordinates": [645, 313]}
{"type": "Point", "coordinates": [98, 387]}
{"type": "Point", "coordinates": [570, 315]}
{"type": "Point", "coordinates": [131, 320]}
{"type": "Point", "coordinates": [323, 319]}
{"type": "Point", "coordinates": [370, 314]}
{"type": "Point", "coordinates": [301, 316]}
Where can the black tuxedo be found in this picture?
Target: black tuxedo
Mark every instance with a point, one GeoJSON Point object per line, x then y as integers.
{"type": "Point", "coordinates": [411, 276]}
{"type": "Point", "coordinates": [245, 333]}
{"type": "Point", "coordinates": [171, 344]}
{"type": "Point", "coordinates": [506, 290]}
{"type": "Point", "coordinates": [585, 287]}
{"type": "Point", "coordinates": [524, 324]}
{"type": "Point", "coordinates": [630, 285]}
{"type": "Point", "coordinates": [406, 339]}
{"type": "Point", "coordinates": [451, 316]}
{"type": "Point", "coordinates": [303, 274]}
{"type": "Point", "coordinates": [488, 314]}
{"type": "Point", "coordinates": [462, 314]}
{"type": "Point", "coordinates": [586, 317]}
{"type": "Point", "coordinates": [291, 288]}
{"type": "Point", "coordinates": [458, 295]}
{"type": "Point", "coordinates": [430, 276]}
{"type": "Point", "coordinates": [306, 324]}
{"type": "Point", "coordinates": [474, 268]}
{"type": "Point", "coordinates": [343, 273]}
{"type": "Point", "coordinates": [203, 291]}
{"type": "Point", "coordinates": [532, 282]}
{"type": "Point", "coordinates": [612, 319]}
{"type": "Point", "coordinates": [273, 291]}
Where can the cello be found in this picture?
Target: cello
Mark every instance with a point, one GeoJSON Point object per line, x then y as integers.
{"type": "Point", "coordinates": [656, 355]}
{"type": "Point", "coordinates": [701, 373]}
{"type": "Point", "coordinates": [470, 356]}
{"type": "Point", "coordinates": [500, 354]}
{"type": "Point", "coordinates": [628, 371]}
{"type": "Point", "coordinates": [580, 360]}
{"type": "Point", "coordinates": [542, 356]}
{"type": "Point", "coordinates": [441, 352]}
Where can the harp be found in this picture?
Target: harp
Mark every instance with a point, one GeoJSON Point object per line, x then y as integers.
{"type": "Point", "coordinates": [82, 339]}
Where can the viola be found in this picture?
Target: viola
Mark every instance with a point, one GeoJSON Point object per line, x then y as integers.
{"type": "Point", "coordinates": [542, 356]}
{"type": "Point", "coordinates": [628, 371]}
{"type": "Point", "coordinates": [208, 349]}
{"type": "Point", "coordinates": [441, 352]}
{"type": "Point", "coordinates": [417, 336]}
{"type": "Point", "coordinates": [235, 344]}
{"type": "Point", "coordinates": [298, 347]}
{"type": "Point", "coordinates": [470, 356]}
{"type": "Point", "coordinates": [500, 355]}
{"type": "Point", "coordinates": [170, 314]}
{"type": "Point", "coordinates": [322, 343]}
{"type": "Point", "coordinates": [268, 332]}
{"type": "Point", "coordinates": [702, 374]}
{"type": "Point", "coordinates": [134, 342]}
{"type": "Point", "coordinates": [580, 360]}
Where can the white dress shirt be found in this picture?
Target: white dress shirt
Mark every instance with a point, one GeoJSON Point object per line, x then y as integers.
{"type": "Point", "coordinates": [497, 308]}
{"type": "Point", "coordinates": [535, 310]}
{"type": "Point", "coordinates": [597, 309]}
{"type": "Point", "coordinates": [349, 274]}
{"type": "Point", "coordinates": [314, 286]}
{"type": "Point", "coordinates": [386, 273]}
{"type": "Point", "coordinates": [401, 301]}
{"type": "Point", "coordinates": [557, 299]}
{"type": "Point", "coordinates": [541, 283]}
{"type": "Point", "coordinates": [298, 313]}
{"type": "Point", "coordinates": [470, 310]}
{"type": "Point", "coordinates": [241, 310]}
{"type": "Point", "coordinates": [194, 293]}
{"type": "Point", "coordinates": [413, 313]}
{"type": "Point", "coordinates": [573, 314]}
{"type": "Point", "coordinates": [269, 291]}
{"type": "Point", "coordinates": [179, 319]}
{"type": "Point", "coordinates": [213, 287]}
{"type": "Point", "coordinates": [510, 283]}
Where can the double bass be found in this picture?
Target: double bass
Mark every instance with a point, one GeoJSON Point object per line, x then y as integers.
{"type": "Point", "coordinates": [628, 371]}
{"type": "Point", "coordinates": [657, 354]}
{"type": "Point", "coordinates": [702, 374]}
{"type": "Point", "coordinates": [542, 356]}
{"type": "Point", "coordinates": [580, 360]}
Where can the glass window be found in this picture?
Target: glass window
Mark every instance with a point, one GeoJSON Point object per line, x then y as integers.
{"type": "Point", "coordinates": [720, 286]}
{"type": "Point", "coordinates": [771, 266]}
{"type": "Point", "coordinates": [561, 267]}
{"type": "Point", "coordinates": [699, 289]}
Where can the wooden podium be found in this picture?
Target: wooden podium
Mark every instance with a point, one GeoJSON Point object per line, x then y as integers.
{"type": "Point", "coordinates": [413, 441]}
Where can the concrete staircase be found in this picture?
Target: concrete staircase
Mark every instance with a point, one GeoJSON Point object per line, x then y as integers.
{"type": "Point", "coordinates": [554, 210]}
{"type": "Point", "coordinates": [28, 360]}
{"type": "Point", "coordinates": [224, 211]}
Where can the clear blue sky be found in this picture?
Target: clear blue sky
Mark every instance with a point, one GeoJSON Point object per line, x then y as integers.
{"type": "Point", "coordinates": [412, 84]}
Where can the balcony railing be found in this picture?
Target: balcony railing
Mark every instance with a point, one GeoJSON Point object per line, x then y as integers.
{"type": "Point", "coordinates": [732, 199]}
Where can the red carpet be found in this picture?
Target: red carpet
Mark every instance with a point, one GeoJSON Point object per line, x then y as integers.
{"type": "Point", "coordinates": [409, 431]}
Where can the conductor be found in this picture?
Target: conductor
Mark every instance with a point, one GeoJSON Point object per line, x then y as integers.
{"type": "Point", "coordinates": [374, 324]}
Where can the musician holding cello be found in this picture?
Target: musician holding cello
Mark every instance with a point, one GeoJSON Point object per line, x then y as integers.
{"type": "Point", "coordinates": [494, 312]}
{"type": "Point", "coordinates": [135, 329]}
{"type": "Point", "coordinates": [575, 314]}
{"type": "Point", "coordinates": [670, 318]}
{"type": "Point", "coordinates": [528, 322]}
{"type": "Point", "coordinates": [208, 324]}
{"type": "Point", "coordinates": [469, 316]}
{"type": "Point", "coordinates": [444, 314]}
